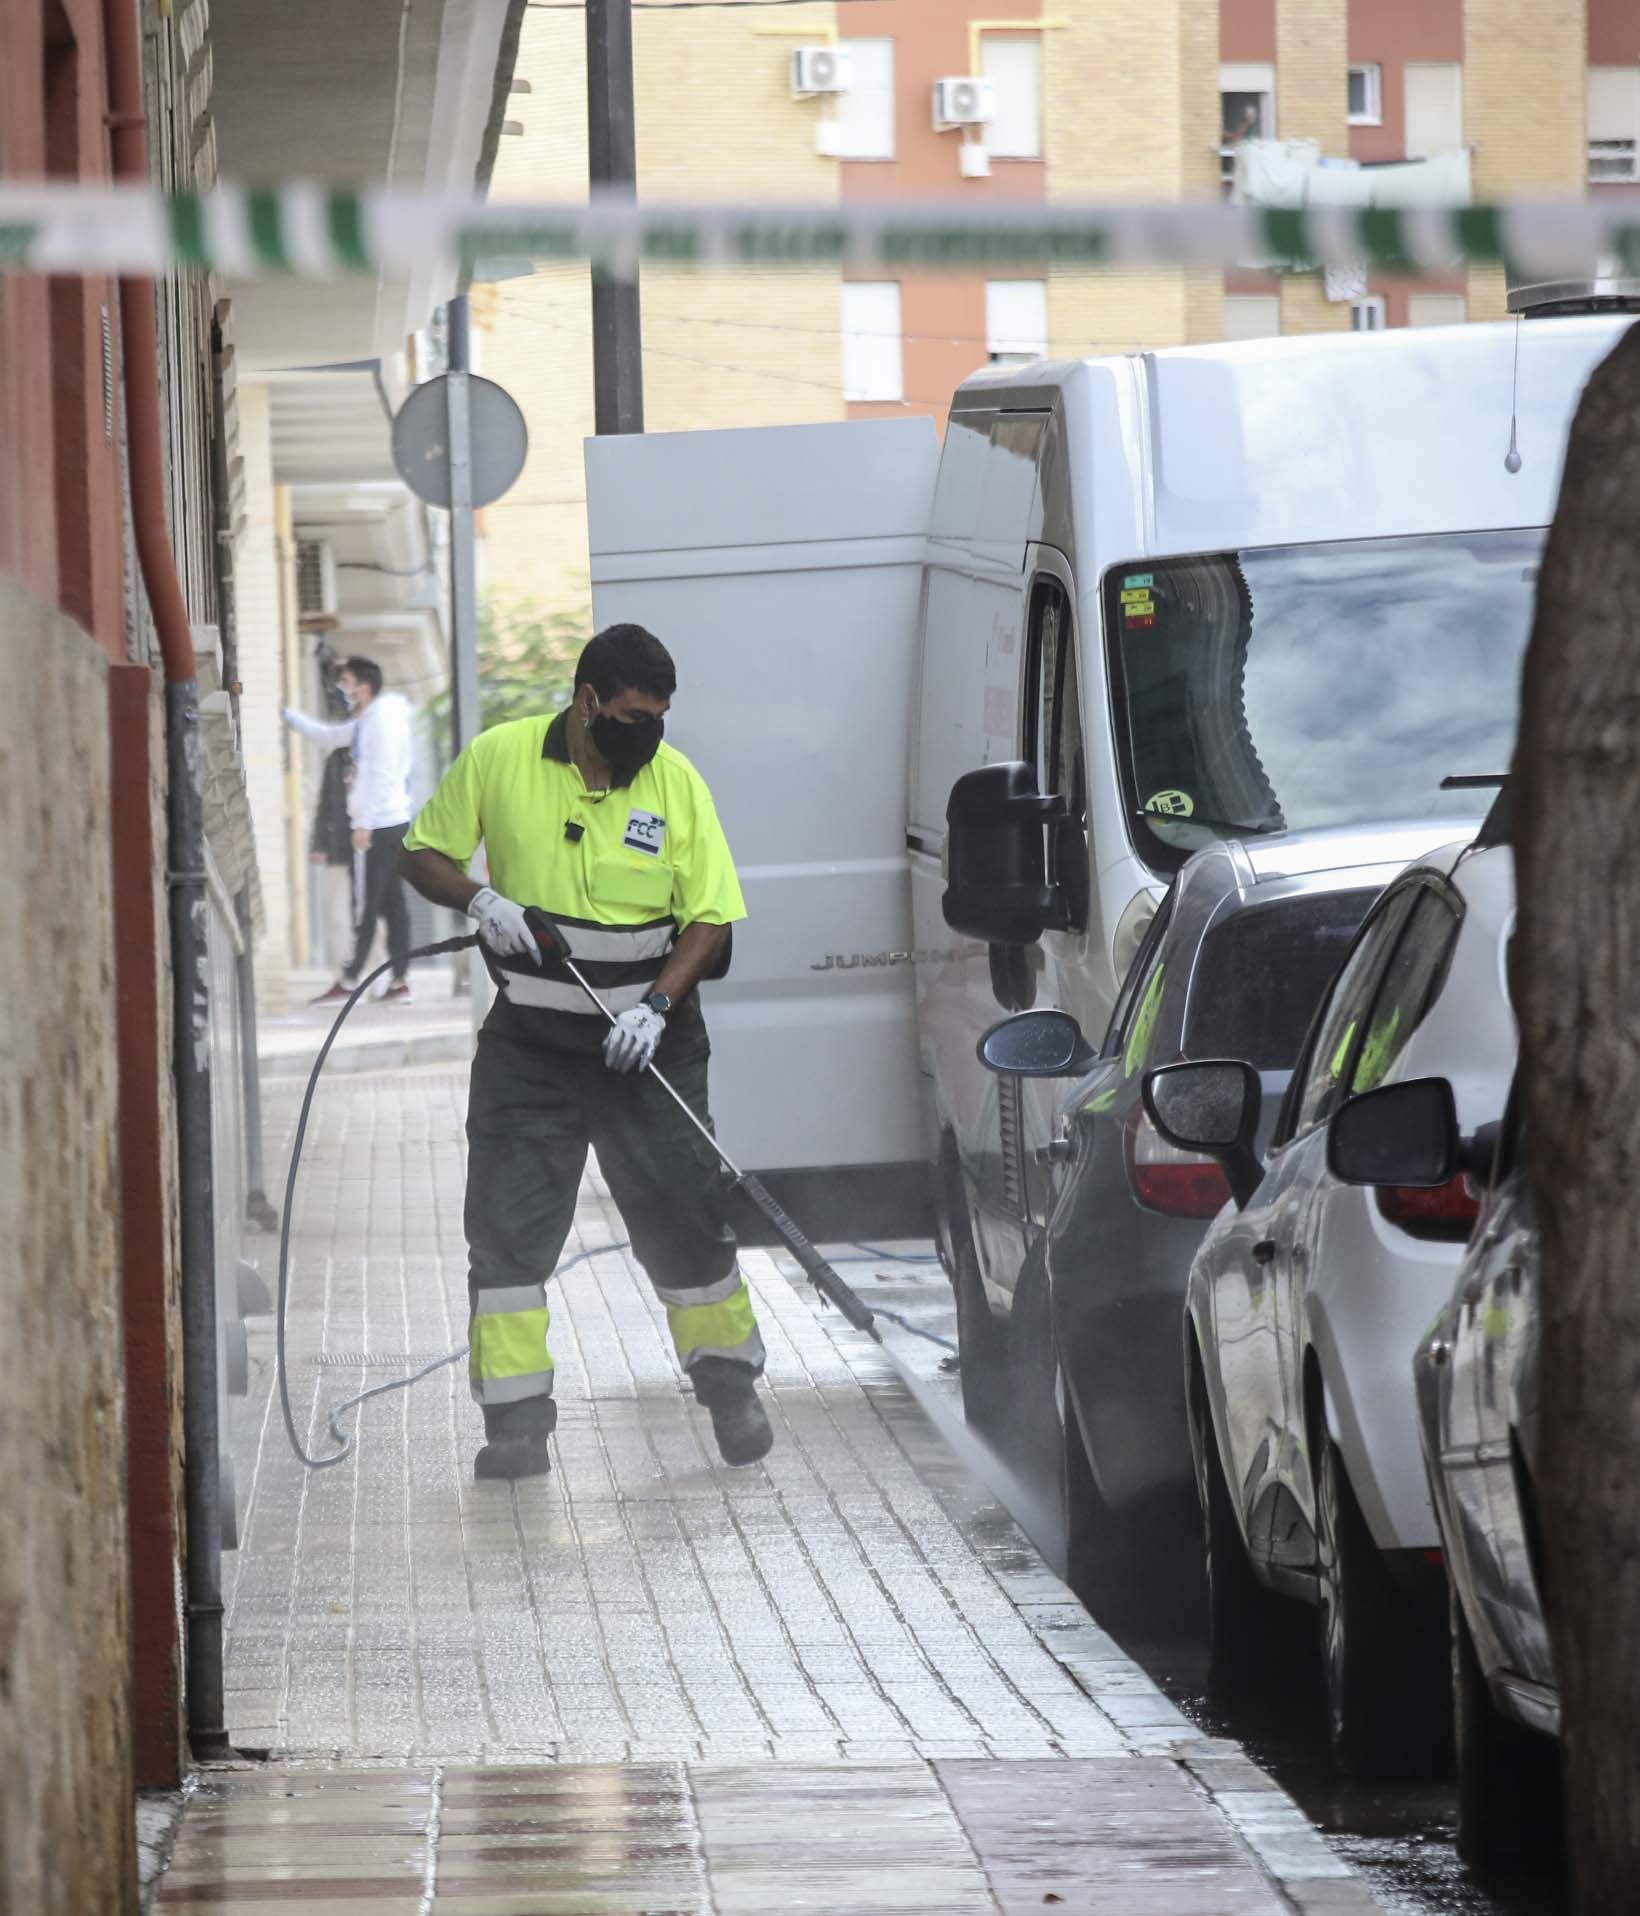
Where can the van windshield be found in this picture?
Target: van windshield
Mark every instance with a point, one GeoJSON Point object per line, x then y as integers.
{"type": "Point", "coordinates": [1322, 685]}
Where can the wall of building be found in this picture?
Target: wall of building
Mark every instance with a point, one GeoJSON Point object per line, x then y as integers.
{"type": "Point", "coordinates": [258, 614]}
{"type": "Point", "coordinates": [1389, 33]}
{"type": "Point", "coordinates": [942, 316]}
{"type": "Point", "coordinates": [1132, 113]}
{"type": "Point", "coordinates": [1525, 110]}
{"type": "Point", "coordinates": [59, 460]}
{"type": "Point", "coordinates": [722, 348]}
{"type": "Point", "coordinates": [65, 1735]}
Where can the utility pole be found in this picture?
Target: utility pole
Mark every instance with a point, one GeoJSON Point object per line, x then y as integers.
{"type": "Point", "coordinates": [612, 164]}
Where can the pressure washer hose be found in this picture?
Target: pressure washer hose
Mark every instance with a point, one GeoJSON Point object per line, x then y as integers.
{"type": "Point", "coordinates": [797, 1243]}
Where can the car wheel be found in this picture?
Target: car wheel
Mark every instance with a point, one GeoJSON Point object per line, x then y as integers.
{"type": "Point", "coordinates": [1381, 1656]}
{"type": "Point", "coordinates": [1253, 1635]}
{"type": "Point", "coordinates": [1509, 1782]}
{"type": "Point", "coordinates": [982, 1345]}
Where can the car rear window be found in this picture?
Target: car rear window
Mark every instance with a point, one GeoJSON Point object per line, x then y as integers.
{"type": "Point", "coordinates": [1261, 974]}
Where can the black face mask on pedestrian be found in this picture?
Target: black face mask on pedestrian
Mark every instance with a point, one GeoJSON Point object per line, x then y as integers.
{"type": "Point", "coordinates": [626, 745]}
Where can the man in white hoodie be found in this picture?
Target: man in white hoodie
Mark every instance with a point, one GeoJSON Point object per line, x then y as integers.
{"type": "Point", "coordinates": [378, 804]}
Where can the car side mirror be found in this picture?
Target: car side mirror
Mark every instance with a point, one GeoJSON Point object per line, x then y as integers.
{"type": "Point", "coordinates": [1400, 1134]}
{"type": "Point", "coordinates": [1037, 1044]}
{"type": "Point", "coordinates": [1211, 1107]}
{"type": "Point", "coordinates": [997, 887]}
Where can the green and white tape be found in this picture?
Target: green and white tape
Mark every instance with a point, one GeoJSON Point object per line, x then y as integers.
{"type": "Point", "coordinates": [315, 232]}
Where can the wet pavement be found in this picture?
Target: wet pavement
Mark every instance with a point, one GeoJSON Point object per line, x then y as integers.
{"type": "Point", "coordinates": [1401, 1838]}
{"type": "Point", "coordinates": [838, 1681]}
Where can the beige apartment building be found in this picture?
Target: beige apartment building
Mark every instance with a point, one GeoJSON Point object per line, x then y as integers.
{"type": "Point", "coordinates": [857, 100]}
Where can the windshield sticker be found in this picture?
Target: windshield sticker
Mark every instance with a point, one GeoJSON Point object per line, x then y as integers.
{"type": "Point", "coordinates": [1145, 579]}
{"type": "Point", "coordinates": [1171, 804]}
{"type": "Point", "coordinates": [1138, 607]}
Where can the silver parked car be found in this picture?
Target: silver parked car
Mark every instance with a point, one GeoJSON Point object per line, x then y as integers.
{"type": "Point", "coordinates": [1078, 1376]}
{"type": "Point", "coordinates": [1476, 1375]}
{"type": "Point", "coordinates": [1305, 1300]}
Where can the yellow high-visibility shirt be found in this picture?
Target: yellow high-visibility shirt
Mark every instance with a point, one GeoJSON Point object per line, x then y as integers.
{"type": "Point", "coordinates": [646, 851]}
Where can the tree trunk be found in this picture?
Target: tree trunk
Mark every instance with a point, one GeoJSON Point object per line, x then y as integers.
{"type": "Point", "coordinates": [1576, 809]}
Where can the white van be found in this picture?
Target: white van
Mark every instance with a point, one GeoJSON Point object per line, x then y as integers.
{"type": "Point", "coordinates": [1131, 603]}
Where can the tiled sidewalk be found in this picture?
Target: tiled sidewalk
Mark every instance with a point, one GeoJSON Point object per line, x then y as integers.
{"type": "Point", "coordinates": [837, 1681]}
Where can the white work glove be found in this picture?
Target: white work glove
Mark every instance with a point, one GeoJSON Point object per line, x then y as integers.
{"type": "Point", "coordinates": [501, 925]}
{"type": "Point", "coordinates": [632, 1038]}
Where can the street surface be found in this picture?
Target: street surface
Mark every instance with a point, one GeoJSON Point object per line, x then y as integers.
{"type": "Point", "coordinates": [1400, 1837]}
{"type": "Point", "coordinates": [841, 1681]}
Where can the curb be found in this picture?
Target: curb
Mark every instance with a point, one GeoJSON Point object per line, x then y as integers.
{"type": "Point", "coordinates": [1294, 1856]}
{"type": "Point", "coordinates": [372, 1054]}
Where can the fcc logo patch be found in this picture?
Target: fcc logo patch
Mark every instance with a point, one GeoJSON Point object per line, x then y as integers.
{"type": "Point", "coordinates": [644, 832]}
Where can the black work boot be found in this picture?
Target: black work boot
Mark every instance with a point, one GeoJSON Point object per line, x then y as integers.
{"type": "Point", "coordinates": [739, 1422]}
{"type": "Point", "coordinates": [510, 1457]}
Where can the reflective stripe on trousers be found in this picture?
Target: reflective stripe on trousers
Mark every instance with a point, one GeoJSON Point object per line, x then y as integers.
{"type": "Point", "coordinates": [508, 1360]}
{"type": "Point", "coordinates": [714, 1320]}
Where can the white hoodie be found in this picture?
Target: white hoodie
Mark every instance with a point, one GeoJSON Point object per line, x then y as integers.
{"type": "Point", "coordinates": [382, 748]}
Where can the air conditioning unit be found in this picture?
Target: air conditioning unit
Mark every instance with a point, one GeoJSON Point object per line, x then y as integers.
{"type": "Point", "coordinates": [821, 69]}
{"type": "Point", "coordinates": [963, 101]}
{"type": "Point", "coordinates": [315, 579]}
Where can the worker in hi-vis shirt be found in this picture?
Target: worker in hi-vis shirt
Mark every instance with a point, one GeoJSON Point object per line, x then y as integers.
{"type": "Point", "coordinates": [589, 816]}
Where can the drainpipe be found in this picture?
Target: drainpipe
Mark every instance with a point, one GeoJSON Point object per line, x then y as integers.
{"type": "Point", "coordinates": [186, 858]}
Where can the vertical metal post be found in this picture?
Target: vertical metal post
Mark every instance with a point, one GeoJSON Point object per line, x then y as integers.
{"type": "Point", "coordinates": [466, 712]}
{"type": "Point", "coordinates": [464, 699]}
{"type": "Point", "coordinates": [612, 161]}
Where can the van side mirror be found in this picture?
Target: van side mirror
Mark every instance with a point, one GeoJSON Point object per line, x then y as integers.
{"type": "Point", "coordinates": [1211, 1107]}
{"type": "Point", "coordinates": [1400, 1134]}
{"type": "Point", "coordinates": [997, 887]}
{"type": "Point", "coordinates": [1037, 1044]}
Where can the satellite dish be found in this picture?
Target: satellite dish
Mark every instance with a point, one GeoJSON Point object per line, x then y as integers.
{"type": "Point", "coordinates": [421, 440]}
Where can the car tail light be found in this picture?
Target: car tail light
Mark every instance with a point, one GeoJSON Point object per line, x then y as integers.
{"type": "Point", "coordinates": [1447, 1213]}
{"type": "Point", "coordinates": [1164, 1178]}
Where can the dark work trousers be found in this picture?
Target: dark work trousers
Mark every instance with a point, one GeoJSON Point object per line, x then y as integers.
{"type": "Point", "coordinates": [383, 898]}
{"type": "Point", "coordinates": [540, 1094]}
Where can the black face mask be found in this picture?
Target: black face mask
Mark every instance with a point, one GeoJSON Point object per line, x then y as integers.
{"type": "Point", "coordinates": [626, 745]}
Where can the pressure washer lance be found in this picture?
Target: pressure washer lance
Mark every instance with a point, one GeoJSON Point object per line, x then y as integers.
{"type": "Point", "coordinates": [819, 1273]}
{"type": "Point", "coordinates": [551, 939]}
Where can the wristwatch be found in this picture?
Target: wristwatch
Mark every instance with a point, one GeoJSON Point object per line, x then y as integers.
{"type": "Point", "coordinates": [658, 1001]}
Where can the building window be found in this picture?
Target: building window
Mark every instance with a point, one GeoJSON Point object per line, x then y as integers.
{"type": "Point", "coordinates": [1368, 314]}
{"type": "Point", "coordinates": [1614, 123]}
{"type": "Point", "coordinates": [1016, 320]}
{"type": "Point", "coordinates": [871, 340]}
{"type": "Point", "coordinates": [1437, 309]}
{"type": "Point", "coordinates": [1366, 96]}
{"type": "Point", "coordinates": [1434, 107]}
{"type": "Point", "coordinates": [1252, 316]}
{"type": "Point", "coordinates": [1013, 64]}
{"type": "Point", "coordinates": [865, 107]}
{"type": "Point", "coordinates": [1247, 109]}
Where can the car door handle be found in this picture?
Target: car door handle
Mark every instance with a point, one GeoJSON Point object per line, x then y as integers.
{"type": "Point", "coordinates": [1060, 1151]}
{"type": "Point", "coordinates": [1264, 1251]}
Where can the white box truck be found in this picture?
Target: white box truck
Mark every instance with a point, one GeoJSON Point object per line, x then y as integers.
{"type": "Point", "coordinates": [1214, 590]}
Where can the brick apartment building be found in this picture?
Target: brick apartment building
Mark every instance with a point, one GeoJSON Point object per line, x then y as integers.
{"type": "Point", "coordinates": [1109, 100]}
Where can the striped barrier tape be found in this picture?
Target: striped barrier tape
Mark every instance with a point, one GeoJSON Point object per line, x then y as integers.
{"type": "Point", "coordinates": [316, 232]}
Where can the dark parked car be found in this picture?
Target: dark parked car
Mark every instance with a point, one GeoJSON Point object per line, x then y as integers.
{"type": "Point", "coordinates": [1078, 1372]}
{"type": "Point", "coordinates": [1476, 1374]}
